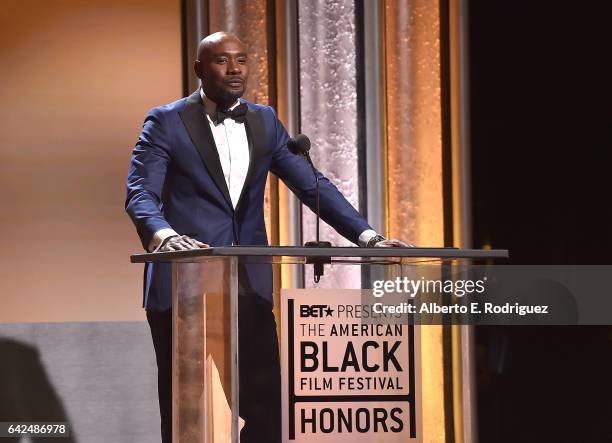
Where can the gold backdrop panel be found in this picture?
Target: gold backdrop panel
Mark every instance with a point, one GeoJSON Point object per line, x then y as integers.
{"type": "Point", "coordinates": [414, 121]}
{"type": "Point", "coordinates": [414, 163]}
{"type": "Point", "coordinates": [249, 21]}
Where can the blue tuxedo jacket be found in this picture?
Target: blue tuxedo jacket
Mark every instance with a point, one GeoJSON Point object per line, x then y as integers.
{"type": "Point", "coordinates": [175, 180]}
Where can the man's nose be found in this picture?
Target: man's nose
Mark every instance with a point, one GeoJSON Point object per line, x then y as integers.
{"type": "Point", "coordinates": [233, 67]}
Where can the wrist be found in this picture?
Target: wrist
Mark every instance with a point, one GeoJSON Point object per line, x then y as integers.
{"type": "Point", "coordinates": [374, 240]}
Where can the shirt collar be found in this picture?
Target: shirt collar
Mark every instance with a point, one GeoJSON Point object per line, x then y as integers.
{"type": "Point", "coordinates": [210, 106]}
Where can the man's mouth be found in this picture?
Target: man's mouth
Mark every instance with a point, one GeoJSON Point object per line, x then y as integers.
{"type": "Point", "coordinates": [235, 83]}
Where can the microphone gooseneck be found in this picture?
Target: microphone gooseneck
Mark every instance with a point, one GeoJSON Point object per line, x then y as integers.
{"type": "Point", "coordinates": [300, 145]}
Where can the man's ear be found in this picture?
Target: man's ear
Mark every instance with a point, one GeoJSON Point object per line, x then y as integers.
{"type": "Point", "coordinates": [197, 67]}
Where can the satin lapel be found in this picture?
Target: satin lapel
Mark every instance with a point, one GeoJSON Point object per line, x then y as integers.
{"type": "Point", "coordinates": [256, 133]}
{"type": "Point", "coordinates": [194, 118]}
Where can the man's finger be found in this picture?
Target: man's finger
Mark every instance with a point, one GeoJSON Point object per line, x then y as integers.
{"type": "Point", "coordinates": [195, 243]}
{"type": "Point", "coordinates": [179, 245]}
{"type": "Point", "coordinates": [182, 243]}
{"type": "Point", "coordinates": [189, 242]}
{"type": "Point", "coordinates": [393, 243]}
{"type": "Point", "coordinates": [186, 244]}
{"type": "Point", "coordinates": [170, 246]}
{"type": "Point", "coordinates": [383, 244]}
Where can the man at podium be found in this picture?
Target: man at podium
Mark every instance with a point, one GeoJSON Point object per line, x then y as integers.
{"type": "Point", "coordinates": [197, 178]}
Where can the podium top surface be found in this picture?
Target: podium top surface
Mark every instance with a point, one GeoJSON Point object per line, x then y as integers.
{"type": "Point", "coordinates": [333, 252]}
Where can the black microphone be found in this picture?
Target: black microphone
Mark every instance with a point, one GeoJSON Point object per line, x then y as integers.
{"type": "Point", "coordinates": [300, 145]}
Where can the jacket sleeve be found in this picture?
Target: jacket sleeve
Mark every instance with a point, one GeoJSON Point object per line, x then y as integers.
{"type": "Point", "coordinates": [297, 174]}
{"type": "Point", "coordinates": [146, 176]}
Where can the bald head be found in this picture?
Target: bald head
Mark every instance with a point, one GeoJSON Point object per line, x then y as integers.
{"type": "Point", "coordinates": [222, 68]}
{"type": "Point", "coordinates": [213, 39]}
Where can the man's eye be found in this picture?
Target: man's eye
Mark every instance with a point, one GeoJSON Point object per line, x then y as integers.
{"type": "Point", "coordinates": [222, 60]}
{"type": "Point", "coordinates": [242, 61]}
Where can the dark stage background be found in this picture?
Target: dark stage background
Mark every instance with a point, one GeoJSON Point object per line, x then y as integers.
{"type": "Point", "coordinates": [541, 127]}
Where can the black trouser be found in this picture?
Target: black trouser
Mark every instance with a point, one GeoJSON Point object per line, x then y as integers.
{"type": "Point", "coordinates": [259, 367]}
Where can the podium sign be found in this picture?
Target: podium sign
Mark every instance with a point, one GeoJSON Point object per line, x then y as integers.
{"type": "Point", "coordinates": [344, 379]}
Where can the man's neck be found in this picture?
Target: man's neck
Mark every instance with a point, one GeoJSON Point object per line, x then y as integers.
{"type": "Point", "coordinates": [211, 107]}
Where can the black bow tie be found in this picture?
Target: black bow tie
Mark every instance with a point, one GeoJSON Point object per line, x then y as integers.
{"type": "Point", "coordinates": [237, 114]}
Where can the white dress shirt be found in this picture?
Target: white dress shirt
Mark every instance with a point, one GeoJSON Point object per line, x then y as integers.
{"type": "Point", "coordinates": [233, 148]}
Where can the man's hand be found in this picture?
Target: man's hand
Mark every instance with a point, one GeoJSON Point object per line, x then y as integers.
{"type": "Point", "coordinates": [393, 243]}
{"type": "Point", "coordinates": [181, 243]}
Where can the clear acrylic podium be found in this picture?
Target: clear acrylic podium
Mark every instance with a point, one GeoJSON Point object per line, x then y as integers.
{"type": "Point", "coordinates": [206, 286]}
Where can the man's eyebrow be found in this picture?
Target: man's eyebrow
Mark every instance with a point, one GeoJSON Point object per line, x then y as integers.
{"type": "Point", "coordinates": [238, 54]}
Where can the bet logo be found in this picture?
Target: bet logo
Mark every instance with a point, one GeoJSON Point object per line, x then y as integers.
{"type": "Point", "coordinates": [316, 311]}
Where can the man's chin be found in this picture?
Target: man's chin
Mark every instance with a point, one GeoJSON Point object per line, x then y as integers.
{"type": "Point", "coordinates": [233, 94]}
